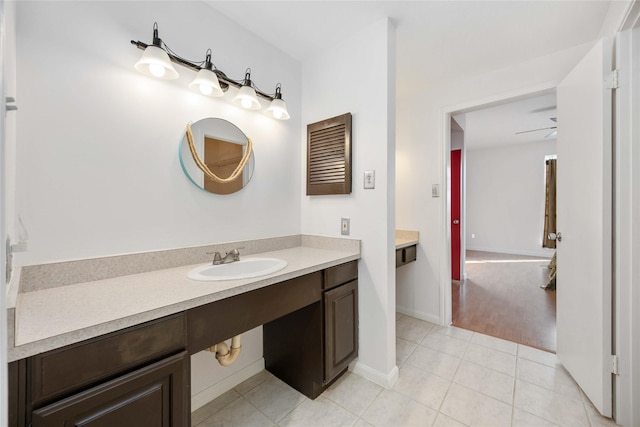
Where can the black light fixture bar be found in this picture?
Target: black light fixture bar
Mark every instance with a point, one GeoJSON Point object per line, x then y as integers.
{"type": "Point", "coordinates": [225, 81]}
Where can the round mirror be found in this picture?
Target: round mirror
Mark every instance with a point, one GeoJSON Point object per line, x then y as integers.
{"type": "Point", "coordinates": [219, 158]}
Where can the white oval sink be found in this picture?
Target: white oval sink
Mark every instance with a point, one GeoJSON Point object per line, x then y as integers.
{"type": "Point", "coordinates": [243, 269]}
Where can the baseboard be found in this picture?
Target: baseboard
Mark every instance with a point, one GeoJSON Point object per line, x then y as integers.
{"type": "Point", "coordinates": [219, 388]}
{"type": "Point", "coordinates": [545, 253]}
{"type": "Point", "coordinates": [418, 314]}
{"type": "Point", "coordinates": [377, 377]}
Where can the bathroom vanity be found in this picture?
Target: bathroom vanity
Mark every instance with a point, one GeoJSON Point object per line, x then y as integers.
{"type": "Point", "coordinates": [406, 247]}
{"type": "Point", "coordinates": [139, 375]}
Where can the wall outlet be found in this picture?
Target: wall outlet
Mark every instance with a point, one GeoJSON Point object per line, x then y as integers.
{"type": "Point", "coordinates": [473, 236]}
{"type": "Point", "coordinates": [435, 190]}
{"type": "Point", "coordinates": [345, 227]}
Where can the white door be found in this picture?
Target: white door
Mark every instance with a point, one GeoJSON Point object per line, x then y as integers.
{"type": "Point", "coordinates": [584, 215]}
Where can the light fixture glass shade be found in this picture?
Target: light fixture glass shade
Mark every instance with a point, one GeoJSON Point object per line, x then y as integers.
{"type": "Point", "coordinates": [278, 110]}
{"type": "Point", "coordinates": [206, 82]}
{"type": "Point", "coordinates": [247, 98]}
{"type": "Point", "coordinates": [156, 63]}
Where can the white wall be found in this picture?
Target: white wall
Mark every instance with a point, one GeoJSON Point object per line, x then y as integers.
{"type": "Point", "coordinates": [506, 198]}
{"type": "Point", "coordinates": [358, 76]}
{"type": "Point", "coordinates": [7, 171]}
{"type": "Point", "coordinates": [98, 170]}
{"type": "Point", "coordinates": [97, 163]}
{"type": "Point", "coordinates": [421, 162]}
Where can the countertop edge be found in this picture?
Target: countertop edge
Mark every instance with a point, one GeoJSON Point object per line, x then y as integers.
{"type": "Point", "coordinates": [405, 244]}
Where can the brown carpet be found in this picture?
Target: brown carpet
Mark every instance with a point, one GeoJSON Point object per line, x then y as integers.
{"type": "Point", "coordinates": [502, 297]}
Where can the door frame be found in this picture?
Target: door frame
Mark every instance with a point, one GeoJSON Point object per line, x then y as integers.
{"type": "Point", "coordinates": [626, 213]}
{"type": "Point", "coordinates": [446, 115]}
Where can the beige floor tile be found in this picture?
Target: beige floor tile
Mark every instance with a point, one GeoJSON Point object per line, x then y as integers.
{"type": "Point", "coordinates": [486, 381]}
{"type": "Point", "coordinates": [490, 358]}
{"type": "Point", "coordinates": [362, 423]}
{"type": "Point", "coordinates": [525, 419]}
{"type": "Point", "coordinates": [238, 414]}
{"type": "Point", "coordinates": [475, 409]}
{"type": "Point", "coordinates": [446, 344]}
{"type": "Point", "coordinates": [404, 349]}
{"type": "Point", "coordinates": [540, 356]}
{"type": "Point", "coordinates": [549, 405]}
{"type": "Point", "coordinates": [353, 392]}
{"type": "Point", "coordinates": [444, 421]}
{"type": "Point", "coordinates": [274, 398]}
{"type": "Point", "coordinates": [214, 406]}
{"type": "Point", "coordinates": [595, 418]}
{"type": "Point", "coordinates": [251, 383]}
{"type": "Point", "coordinates": [434, 361]}
{"type": "Point", "coordinates": [452, 331]}
{"type": "Point", "coordinates": [421, 386]}
{"type": "Point", "coordinates": [319, 412]}
{"type": "Point", "coordinates": [495, 343]}
{"type": "Point", "coordinates": [556, 379]}
{"type": "Point", "coordinates": [471, 378]}
{"type": "Point", "coordinates": [392, 409]}
{"type": "Point", "coordinates": [412, 329]}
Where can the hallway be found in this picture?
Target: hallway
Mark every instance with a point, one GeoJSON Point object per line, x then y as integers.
{"type": "Point", "coordinates": [502, 298]}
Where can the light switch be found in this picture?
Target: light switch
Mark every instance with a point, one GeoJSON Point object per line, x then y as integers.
{"type": "Point", "coordinates": [435, 190]}
{"type": "Point", "coordinates": [369, 179]}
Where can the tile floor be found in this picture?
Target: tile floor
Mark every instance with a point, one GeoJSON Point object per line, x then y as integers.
{"type": "Point", "coordinates": [448, 377]}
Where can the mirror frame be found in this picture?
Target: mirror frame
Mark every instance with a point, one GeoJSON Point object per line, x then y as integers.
{"type": "Point", "coordinates": [220, 130]}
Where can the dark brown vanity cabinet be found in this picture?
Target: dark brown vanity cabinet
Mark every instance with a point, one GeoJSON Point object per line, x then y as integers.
{"type": "Point", "coordinates": [311, 347]}
{"type": "Point", "coordinates": [140, 376]}
{"type": "Point", "coordinates": [340, 302]}
{"type": "Point", "coordinates": [154, 396]}
{"type": "Point", "coordinates": [405, 255]}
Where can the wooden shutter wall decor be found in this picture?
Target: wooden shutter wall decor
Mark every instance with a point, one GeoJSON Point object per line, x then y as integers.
{"type": "Point", "coordinates": [329, 156]}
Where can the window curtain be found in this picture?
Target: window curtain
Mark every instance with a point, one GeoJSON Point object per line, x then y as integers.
{"type": "Point", "coordinates": [550, 205]}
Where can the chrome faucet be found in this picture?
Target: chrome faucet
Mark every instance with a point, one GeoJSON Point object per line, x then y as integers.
{"type": "Point", "coordinates": [231, 256]}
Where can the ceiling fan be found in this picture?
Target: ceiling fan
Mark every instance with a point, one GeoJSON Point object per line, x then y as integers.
{"type": "Point", "coordinates": [553, 129]}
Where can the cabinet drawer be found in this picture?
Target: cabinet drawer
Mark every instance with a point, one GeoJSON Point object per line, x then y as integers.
{"type": "Point", "coordinates": [68, 369]}
{"type": "Point", "coordinates": [220, 320]}
{"type": "Point", "coordinates": [154, 396]}
{"type": "Point", "coordinates": [405, 255]}
{"type": "Point", "coordinates": [410, 254]}
{"type": "Point", "coordinates": [340, 274]}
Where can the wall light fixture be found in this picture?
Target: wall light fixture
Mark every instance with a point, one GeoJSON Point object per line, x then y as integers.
{"type": "Point", "coordinates": [157, 62]}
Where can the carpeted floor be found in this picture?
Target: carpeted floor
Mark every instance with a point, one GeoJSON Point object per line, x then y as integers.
{"type": "Point", "coordinates": [502, 297]}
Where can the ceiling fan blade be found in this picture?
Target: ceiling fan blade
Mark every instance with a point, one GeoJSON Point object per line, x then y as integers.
{"type": "Point", "coordinates": [535, 130]}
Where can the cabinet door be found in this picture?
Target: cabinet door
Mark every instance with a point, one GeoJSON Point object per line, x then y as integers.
{"type": "Point", "coordinates": [341, 328]}
{"type": "Point", "coordinates": [154, 396]}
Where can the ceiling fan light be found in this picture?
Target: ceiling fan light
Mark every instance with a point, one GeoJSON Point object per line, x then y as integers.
{"type": "Point", "coordinates": [247, 98]}
{"type": "Point", "coordinates": [155, 62]}
{"type": "Point", "coordinates": [206, 82]}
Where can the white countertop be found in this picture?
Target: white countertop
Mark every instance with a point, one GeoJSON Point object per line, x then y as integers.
{"type": "Point", "coordinates": [406, 238]}
{"type": "Point", "coordinates": [51, 318]}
